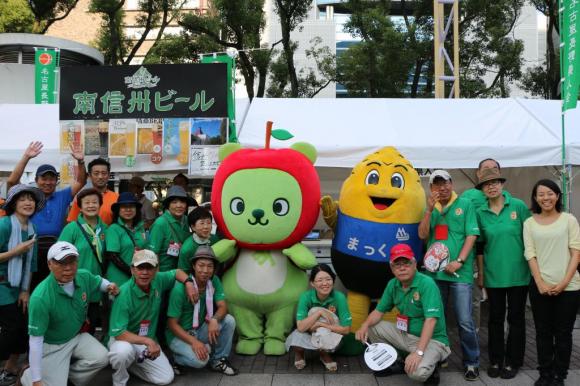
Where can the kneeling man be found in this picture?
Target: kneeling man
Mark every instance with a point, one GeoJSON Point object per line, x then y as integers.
{"type": "Point", "coordinates": [420, 328]}
{"type": "Point", "coordinates": [134, 317]}
{"type": "Point", "coordinates": [196, 333]}
{"type": "Point", "coordinates": [58, 310]}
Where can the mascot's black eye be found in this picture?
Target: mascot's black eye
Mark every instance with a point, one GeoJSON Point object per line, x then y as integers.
{"type": "Point", "coordinates": [237, 206]}
{"type": "Point", "coordinates": [280, 207]}
{"type": "Point", "coordinates": [397, 181]}
{"type": "Point", "coordinates": [372, 178]}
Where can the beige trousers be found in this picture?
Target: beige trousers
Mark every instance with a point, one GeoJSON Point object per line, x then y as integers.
{"type": "Point", "coordinates": [387, 332]}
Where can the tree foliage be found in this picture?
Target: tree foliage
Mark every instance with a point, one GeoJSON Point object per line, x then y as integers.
{"type": "Point", "coordinates": [311, 80]}
{"type": "Point", "coordinates": [117, 47]}
{"type": "Point", "coordinates": [33, 16]}
{"type": "Point", "coordinates": [544, 80]}
{"type": "Point", "coordinates": [291, 13]}
{"type": "Point", "coordinates": [15, 16]}
{"type": "Point", "coordinates": [395, 55]}
{"type": "Point", "coordinates": [237, 24]}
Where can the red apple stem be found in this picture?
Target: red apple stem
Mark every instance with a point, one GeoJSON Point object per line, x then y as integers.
{"type": "Point", "coordinates": [269, 125]}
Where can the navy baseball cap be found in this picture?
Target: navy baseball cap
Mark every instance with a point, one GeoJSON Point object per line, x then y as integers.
{"type": "Point", "coordinates": [43, 169]}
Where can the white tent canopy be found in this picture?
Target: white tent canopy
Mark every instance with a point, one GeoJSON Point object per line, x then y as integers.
{"type": "Point", "coordinates": [432, 133]}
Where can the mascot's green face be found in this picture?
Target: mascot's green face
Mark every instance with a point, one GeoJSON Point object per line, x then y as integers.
{"type": "Point", "coordinates": [264, 211]}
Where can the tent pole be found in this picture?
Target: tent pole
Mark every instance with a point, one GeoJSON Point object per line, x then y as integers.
{"type": "Point", "coordinates": [564, 172]}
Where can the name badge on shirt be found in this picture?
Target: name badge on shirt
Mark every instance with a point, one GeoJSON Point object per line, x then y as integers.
{"type": "Point", "coordinates": [144, 327]}
{"type": "Point", "coordinates": [441, 232]}
{"type": "Point", "coordinates": [403, 323]}
{"type": "Point", "coordinates": [173, 249]}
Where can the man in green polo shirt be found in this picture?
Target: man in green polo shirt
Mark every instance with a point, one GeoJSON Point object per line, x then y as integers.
{"type": "Point", "coordinates": [58, 310]}
{"type": "Point", "coordinates": [201, 333]}
{"type": "Point", "coordinates": [420, 328]}
{"type": "Point", "coordinates": [134, 319]}
{"type": "Point", "coordinates": [450, 228]}
{"type": "Point", "coordinates": [478, 200]}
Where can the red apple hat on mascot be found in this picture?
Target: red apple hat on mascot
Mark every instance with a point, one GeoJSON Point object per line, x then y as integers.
{"type": "Point", "coordinates": [287, 160]}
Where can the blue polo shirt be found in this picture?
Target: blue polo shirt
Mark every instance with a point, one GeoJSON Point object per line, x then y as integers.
{"type": "Point", "coordinates": [50, 220]}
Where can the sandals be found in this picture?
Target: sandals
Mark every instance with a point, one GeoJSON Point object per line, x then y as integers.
{"type": "Point", "coordinates": [330, 366]}
{"type": "Point", "coordinates": [300, 364]}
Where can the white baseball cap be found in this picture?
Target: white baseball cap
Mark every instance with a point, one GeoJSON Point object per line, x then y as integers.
{"type": "Point", "coordinates": [439, 174]}
{"type": "Point", "coordinates": [144, 256]}
{"type": "Point", "coordinates": [61, 250]}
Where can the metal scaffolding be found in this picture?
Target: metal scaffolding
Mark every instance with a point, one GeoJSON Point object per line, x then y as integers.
{"type": "Point", "coordinates": [446, 71]}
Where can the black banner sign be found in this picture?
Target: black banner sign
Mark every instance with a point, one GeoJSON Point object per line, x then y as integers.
{"type": "Point", "coordinates": [147, 91]}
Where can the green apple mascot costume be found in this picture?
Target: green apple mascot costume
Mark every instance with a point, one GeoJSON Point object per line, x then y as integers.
{"type": "Point", "coordinates": [266, 200]}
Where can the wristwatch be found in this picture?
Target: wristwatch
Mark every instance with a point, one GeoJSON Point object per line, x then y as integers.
{"type": "Point", "coordinates": [460, 260]}
{"type": "Point", "coordinates": [189, 279]}
{"type": "Point", "coordinates": [420, 353]}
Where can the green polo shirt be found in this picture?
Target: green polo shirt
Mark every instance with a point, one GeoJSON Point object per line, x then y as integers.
{"type": "Point", "coordinates": [167, 229]}
{"type": "Point", "coordinates": [504, 264]}
{"type": "Point", "coordinates": [133, 306]}
{"type": "Point", "coordinates": [335, 302]}
{"type": "Point", "coordinates": [9, 295]}
{"type": "Point", "coordinates": [476, 196]}
{"type": "Point", "coordinates": [188, 250]}
{"type": "Point", "coordinates": [462, 222]}
{"type": "Point", "coordinates": [181, 309]}
{"type": "Point", "coordinates": [419, 301]}
{"type": "Point", "coordinates": [55, 314]}
{"type": "Point", "coordinates": [123, 241]}
{"type": "Point", "coordinates": [73, 234]}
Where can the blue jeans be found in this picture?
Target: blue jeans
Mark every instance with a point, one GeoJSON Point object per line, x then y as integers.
{"type": "Point", "coordinates": [185, 356]}
{"type": "Point", "coordinates": [462, 305]}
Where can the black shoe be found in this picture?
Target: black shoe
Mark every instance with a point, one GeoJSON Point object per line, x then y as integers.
{"type": "Point", "coordinates": [493, 371]}
{"type": "Point", "coordinates": [223, 366]}
{"type": "Point", "coordinates": [544, 380]}
{"type": "Point", "coordinates": [471, 373]}
{"type": "Point", "coordinates": [396, 368]}
{"type": "Point", "coordinates": [7, 378]}
{"type": "Point", "coordinates": [434, 378]}
{"type": "Point", "coordinates": [508, 372]}
{"type": "Point", "coordinates": [557, 381]}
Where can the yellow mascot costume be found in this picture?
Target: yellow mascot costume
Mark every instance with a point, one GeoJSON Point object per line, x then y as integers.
{"type": "Point", "coordinates": [380, 204]}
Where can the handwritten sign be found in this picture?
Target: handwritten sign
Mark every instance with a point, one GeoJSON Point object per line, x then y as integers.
{"type": "Point", "coordinates": [203, 160]}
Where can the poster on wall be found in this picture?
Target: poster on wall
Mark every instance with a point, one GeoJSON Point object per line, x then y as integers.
{"type": "Point", "coordinates": [148, 114]}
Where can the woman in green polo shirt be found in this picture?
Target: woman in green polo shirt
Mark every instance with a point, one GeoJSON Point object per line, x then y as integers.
{"type": "Point", "coordinates": [170, 230]}
{"type": "Point", "coordinates": [87, 232]}
{"type": "Point", "coordinates": [18, 252]}
{"type": "Point", "coordinates": [322, 319]}
{"type": "Point", "coordinates": [123, 237]}
{"type": "Point", "coordinates": [505, 273]}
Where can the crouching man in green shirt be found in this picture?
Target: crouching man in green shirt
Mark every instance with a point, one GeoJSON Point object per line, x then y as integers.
{"type": "Point", "coordinates": [201, 333]}
{"type": "Point", "coordinates": [420, 328]}
{"type": "Point", "coordinates": [134, 318]}
{"type": "Point", "coordinates": [58, 310]}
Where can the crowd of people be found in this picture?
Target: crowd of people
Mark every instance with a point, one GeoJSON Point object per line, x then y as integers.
{"type": "Point", "coordinates": [81, 260]}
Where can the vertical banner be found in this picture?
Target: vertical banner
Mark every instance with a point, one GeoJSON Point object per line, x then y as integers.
{"type": "Point", "coordinates": [46, 62]}
{"type": "Point", "coordinates": [570, 14]}
{"type": "Point", "coordinates": [231, 63]}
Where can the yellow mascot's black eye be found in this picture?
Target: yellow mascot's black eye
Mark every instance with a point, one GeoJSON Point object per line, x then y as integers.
{"type": "Point", "coordinates": [372, 178]}
{"type": "Point", "coordinates": [397, 181]}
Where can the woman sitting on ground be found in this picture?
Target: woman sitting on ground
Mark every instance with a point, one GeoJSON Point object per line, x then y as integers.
{"type": "Point", "coordinates": [322, 319]}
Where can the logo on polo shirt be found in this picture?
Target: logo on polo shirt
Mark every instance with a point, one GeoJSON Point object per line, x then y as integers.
{"type": "Point", "coordinates": [416, 296]}
{"type": "Point", "coordinates": [458, 212]}
{"type": "Point", "coordinates": [402, 235]}
{"type": "Point", "coordinates": [514, 215]}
